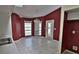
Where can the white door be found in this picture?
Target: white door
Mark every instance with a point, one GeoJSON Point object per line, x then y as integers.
{"type": "Point", "coordinates": [49, 28]}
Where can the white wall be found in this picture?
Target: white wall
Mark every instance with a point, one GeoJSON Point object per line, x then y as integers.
{"type": "Point", "coordinates": [70, 7]}
{"type": "Point", "coordinates": [5, 21]}
{"type": "Point", "coordinates": [5, 25]}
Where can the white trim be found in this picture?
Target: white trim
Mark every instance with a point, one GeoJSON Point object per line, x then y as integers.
{"type": "Point", "coordinates": [37, 20]}
{"type": "Point", "coordinates": [70, 52]}
{"type": "Point", "coordinates": [11, 27]}
{"type": "Point", "coordinates": [61, 29]}
{"type": "Point", "coordinates": [18, 5]}
{"type": "Point", "coordinates": [18, 40]}
{"type": "Point", "coordinates": [50, 21]}
{"type": "Point", "coordinates": [27, 21]}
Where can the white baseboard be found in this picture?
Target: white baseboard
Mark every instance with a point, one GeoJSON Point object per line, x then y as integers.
{"type": "Point", "coordinates": [69, 52]}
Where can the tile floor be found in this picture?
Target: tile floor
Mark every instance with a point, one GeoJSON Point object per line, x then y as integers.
{"type": "Point", "coordinates": [8, 49]}
{"type": "Point", "coordinates": [31, 45]}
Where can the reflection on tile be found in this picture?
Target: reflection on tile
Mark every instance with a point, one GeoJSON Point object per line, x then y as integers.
{"type": "Point", "coordinates": [8, 49]}
{"type": "Point", "coordinates": [31, 45]}
{"type": "Point", "coordinates": [37, 45]}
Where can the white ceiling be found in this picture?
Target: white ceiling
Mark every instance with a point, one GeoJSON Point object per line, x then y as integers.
{"type": "Point", "coordinates": [5, 8]}
{"type": "Point", "coordinates": [30, 11]}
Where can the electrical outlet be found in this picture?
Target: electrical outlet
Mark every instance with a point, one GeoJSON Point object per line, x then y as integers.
{"type": "Point", "coordinates": [75, 48]}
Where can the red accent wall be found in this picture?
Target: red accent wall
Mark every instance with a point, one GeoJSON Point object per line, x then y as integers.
{"type": "Point", "coordinates": [64, 40]}
{"type": "Point", "coordinates": [17, 26]}
{"type": "Point", "coordinates": [53, 15]}
{"type": "Point", "coordinates": [70, 39]}
{"type": "Point", "coordinates": [64, 33]}
{"type": "Point", "coordinates": [22, 27]}
{"type": "Point", "coordinates": [20, 21]}
{"type": "Point", "coordinates": [32, 28]}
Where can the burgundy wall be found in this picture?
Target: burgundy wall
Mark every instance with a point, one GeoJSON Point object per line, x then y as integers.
{"type": "Point", "coordinates": [17, 26]}
{"type": "Point", "coordinates": [32, 28]}
{"type": "Point", "coordinates": [53, 15]}
{"type": "Point", "coordinates": [70, 39]}
{"type": "Point", "coordinates": [64, 32]}
{"type": "Point", "coordinates": [64, 40]}
{"type": "Point", "coordinates": [22, 27]}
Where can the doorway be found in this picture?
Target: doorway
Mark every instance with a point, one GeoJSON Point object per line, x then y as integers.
{"type": "Point", "coordinates": [49, 28]}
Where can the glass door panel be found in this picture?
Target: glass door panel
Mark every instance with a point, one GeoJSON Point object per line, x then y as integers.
{"type": "Point", "coordinates": [27, 27]}
{"type": "Point", "coordinates": [38, 27]}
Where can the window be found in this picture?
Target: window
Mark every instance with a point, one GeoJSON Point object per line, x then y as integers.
{"type": "Point", "coordinates": [49, 28]}
{"type": "Point", "coordinates": [38, 28]}
{"type": "Point", "coordinates": [27, 26]}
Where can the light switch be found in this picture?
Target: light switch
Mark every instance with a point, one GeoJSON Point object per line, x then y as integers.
{"type": "Point", "coordinates": [54, 28]}
{"type": "Point", "coordinates": [73, 32]}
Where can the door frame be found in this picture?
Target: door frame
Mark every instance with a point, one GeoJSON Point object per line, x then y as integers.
{"type": "Point", "coordinates": [50, 21]}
